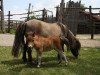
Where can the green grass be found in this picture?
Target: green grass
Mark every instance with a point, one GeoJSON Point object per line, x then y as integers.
{"type": "Point", "coordinates": [88, 63]}
{"type": "Point", "coordinates": [12, 31]}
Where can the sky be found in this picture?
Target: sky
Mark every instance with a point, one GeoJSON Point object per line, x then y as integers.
{"type": "Point", "coordinates": [21, 6]}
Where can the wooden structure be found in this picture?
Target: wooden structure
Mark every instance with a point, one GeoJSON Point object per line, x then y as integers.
{"type": "Point", "coordinates": [45, 16]}
{"type": "Point", "coordinates": [84, 27]}
{"type": "Point", "coordinates": [75, 18]}
{"type": "Point", "coordinates": [67, 15]}
{"type": "Point", "coordinates": [2, 27]}
{"type": "Point", "coordinates": [28, 12]}
{"type": "Point", "coordinates": [9, 21]}
{"type": "Point", "coordinates": [89, 22]}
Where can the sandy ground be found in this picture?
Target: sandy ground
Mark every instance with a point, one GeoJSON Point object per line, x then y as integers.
{"type": "Point", "coordinates": [7, 40]}
{"type": "Point", "coordinates": [86, 40]}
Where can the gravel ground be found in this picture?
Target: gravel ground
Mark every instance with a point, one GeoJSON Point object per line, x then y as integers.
{"type": "Point", "coordinates": [86, 40]}
{"type": "Point", "coordinates": [7, 40]}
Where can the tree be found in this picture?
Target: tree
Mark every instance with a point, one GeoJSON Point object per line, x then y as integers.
{"type": "Point", "coordinates": [82, 6]}
{"type": "Point", "coordinates": [32, 17]}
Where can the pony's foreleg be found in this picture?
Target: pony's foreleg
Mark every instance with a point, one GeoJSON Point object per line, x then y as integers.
{"type": "Point", "coordinates": [24, 53]}
{"type": "Point", "coordinates": [66, 42]}
{"type": "Point", "coordinates": [29, 51]}
{"type": "Point", "coordinates": [38, 59]}
{"type": "Point", "coordinates": [62, 45]}
{"type": "Point", "coordinates": [62, 55]}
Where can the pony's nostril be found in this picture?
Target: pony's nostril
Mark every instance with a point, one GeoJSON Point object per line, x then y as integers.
{"type": "Point", "coordinates": [30, 46]}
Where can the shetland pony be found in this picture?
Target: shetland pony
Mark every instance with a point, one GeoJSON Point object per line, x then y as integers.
{"type": "Point", "coordinates": [42, 44]}
{"type": "Point", "coordinates": [43, 29]}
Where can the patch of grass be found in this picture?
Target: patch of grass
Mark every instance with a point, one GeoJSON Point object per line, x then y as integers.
{"type": "Point", "coordinates": [98, 39]}
{"type": "Point", "coordinates": [12, 31]}
{"type": "Point", "coordinates": [88, 63]}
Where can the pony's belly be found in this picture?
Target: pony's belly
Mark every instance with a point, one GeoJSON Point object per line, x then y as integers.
{"type": "Point", "coordinates": [48, 48]}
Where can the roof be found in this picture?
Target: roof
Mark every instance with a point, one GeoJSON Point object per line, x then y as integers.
{"type": "Point", "coordinates": [97, 17]}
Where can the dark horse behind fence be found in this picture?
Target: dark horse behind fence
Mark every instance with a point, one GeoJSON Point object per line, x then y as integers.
{"type": "Point", "coordinates": [42, 44]}
{"type": "Point", "coordinates": [43, 29]}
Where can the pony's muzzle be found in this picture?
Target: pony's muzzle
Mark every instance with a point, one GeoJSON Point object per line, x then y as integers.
{"type": "Point", "coordinates": [30, 45]}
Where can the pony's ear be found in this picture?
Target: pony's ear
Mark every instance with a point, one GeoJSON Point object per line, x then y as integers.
{"type": "Point", "coordinates": [26, 34]}
{"type": "Point", "coordinates": [33, 34]}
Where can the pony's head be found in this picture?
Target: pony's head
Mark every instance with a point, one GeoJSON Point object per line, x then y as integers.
{"type": "Point", "coordinates": [75, 47]}
{"type": "Point", "coordinates": [30, 39]}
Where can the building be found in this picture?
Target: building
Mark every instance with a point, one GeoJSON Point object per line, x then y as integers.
{"type": "Point", "coordinates": [84, 26]}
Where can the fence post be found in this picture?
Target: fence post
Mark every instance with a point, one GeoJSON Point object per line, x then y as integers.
{"type": "Point", "coordinates": [44, 15]}
{"type": "Point", "coordinates": [2, 26]}
{"type": "Point", "coordinates": [52, 17]}
{"type": "Point", "coordinates": [92, 23]}
{"type": "Point", "coordinates": [8, 22]}
{"type": "Point", "coordinates": [28, 12]}
{"type": "Point", "coordinates": [57, 13]}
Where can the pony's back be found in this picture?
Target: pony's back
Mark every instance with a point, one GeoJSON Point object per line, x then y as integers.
{"type": "Point", "coordinates": [43, 28]}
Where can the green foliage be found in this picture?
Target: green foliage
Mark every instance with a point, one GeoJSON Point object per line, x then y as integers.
{"type": "Point", "coordinates": [12, 31]}
{"type": "Point", "coordinates": [88, 63]}
{"type": "Point", "coordinates": [82, 6]}
{"type": "Point", "coordinates": [32, 17]}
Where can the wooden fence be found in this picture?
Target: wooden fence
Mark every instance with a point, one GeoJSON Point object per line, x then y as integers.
{"type": "Point", "coordinates": [2, 29]}
{"type": "Point", "coordinates": [70, 16]}
{"type": "Point", "coordinates": [44, 16]}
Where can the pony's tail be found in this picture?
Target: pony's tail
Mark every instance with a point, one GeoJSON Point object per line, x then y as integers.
{"type": "Point", "coordinates": [19, 39]}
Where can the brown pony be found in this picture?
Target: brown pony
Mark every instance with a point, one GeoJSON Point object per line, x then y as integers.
{"type": "Point", "coordinates": [42, 44]}
{"type": "Point", "coordinates": [43, 29]}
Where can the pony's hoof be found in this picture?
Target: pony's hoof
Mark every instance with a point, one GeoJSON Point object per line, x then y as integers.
{"type": "Point", "coordinates": [38, 66]}
{"type": "Point", "coordinates": [35, 62]}
{"type": "Point", "coordinates": [76, 57]}
{"type": "Point", "coordinates": [59, 62]}
{"type": "Point", "coordinates": [24, 60]}
{"type": "Point", "coordinates": [66, 63]}
{"type": "Point", "coordinates": [29, 60]}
